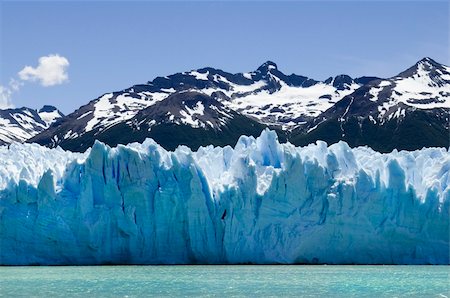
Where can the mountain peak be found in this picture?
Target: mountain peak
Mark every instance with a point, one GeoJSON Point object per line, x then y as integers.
{"type": "Point", "coordinates": [342, 82]}
{"type": "Point", "coordinates": [426, 64]}
{"type": "Point", "coordinates": [49, 114]}
{"type": "Point", "coordinates": [47, 109]}
{"type": "Point", "coordinates": [267, 66]}
{"type": "Point", "coordinates": [427, 60]}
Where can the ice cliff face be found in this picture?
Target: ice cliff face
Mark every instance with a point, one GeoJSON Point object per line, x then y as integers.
{"type": "Point", "coordinates": [261, 202]}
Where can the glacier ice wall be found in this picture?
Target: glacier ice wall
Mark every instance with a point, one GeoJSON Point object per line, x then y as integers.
{"type": "Point", "coordinates": [261, 202]}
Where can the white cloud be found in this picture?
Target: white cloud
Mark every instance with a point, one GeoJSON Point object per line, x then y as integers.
{"type": "Point", "coordinates": [6, 93]}
{"type": "Point", "coordinates": [51, 70]}
{"type": "Point", "coordinates": [15, 84]}
{"type": "Point", "coordinates": [5, 97]}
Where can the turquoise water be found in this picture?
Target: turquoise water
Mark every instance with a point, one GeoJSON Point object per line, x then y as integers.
{"type": "Point", "coordinates": [254, 281]}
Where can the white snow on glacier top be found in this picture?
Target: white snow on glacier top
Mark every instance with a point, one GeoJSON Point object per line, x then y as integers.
{"type": "Point", "coordinates": [425, 170]}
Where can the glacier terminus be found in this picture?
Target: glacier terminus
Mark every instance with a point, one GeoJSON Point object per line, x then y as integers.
{"type": "Point", "coordinates": [260, 202]}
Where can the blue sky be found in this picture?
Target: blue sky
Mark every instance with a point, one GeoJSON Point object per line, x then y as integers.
{"type": "Point", "coordinates": [111, 45]}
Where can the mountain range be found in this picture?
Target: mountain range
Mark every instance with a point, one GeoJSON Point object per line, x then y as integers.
{"type": "Point", "coordinates": [209, 106]}
{"type": "Point", "coordinates": [19, 125]}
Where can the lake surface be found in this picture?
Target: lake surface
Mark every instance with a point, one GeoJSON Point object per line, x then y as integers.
{"type": "Point", "coordinates": [181, 281]}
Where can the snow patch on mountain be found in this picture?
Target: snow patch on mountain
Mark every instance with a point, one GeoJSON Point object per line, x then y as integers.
{"type": "Point", "coordinates": [49, 114]}
{"type": "Point", "coordinates": [111, 109]}
{"type": "Point", "coordinates": [200, 76]}
{"type": "Point", "coordinates": [422, 90]}
{"type": "Point", "coordinates": [375, 91]}
{"type": "Point", "coordinates": [289, 103]}
{"type": "Point", "coordinates": [198, 109]}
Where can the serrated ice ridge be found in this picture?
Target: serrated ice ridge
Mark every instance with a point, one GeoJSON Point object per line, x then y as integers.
{"type": "Point", "coordinates": [260, 202]}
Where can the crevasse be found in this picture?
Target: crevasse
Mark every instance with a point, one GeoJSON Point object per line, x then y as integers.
{"type": "Point", "coordinates": [261, 202]}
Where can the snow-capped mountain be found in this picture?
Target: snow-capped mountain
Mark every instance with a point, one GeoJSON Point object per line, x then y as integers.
{"type": "Point", "coordinates": [49, 114]}
{"type": "Point", "coordinates": [363, 111]}
{"type": "Point", "coordinates": [183, 118]}
{"type": "Point", "coordinates": [288, 101]}
{"type": "Point", "coordinates": [19, 125]}
{"type": "Point", "coordinates": [274, 98]}
{"type": "Point", "coordinates": [195, 109]}
{"type": "Point", "coordinates": [408, 111]}
{"type": "Point", "coordinates": [266, 96]}
{"type": "Point", "coordinates": [425, 86]}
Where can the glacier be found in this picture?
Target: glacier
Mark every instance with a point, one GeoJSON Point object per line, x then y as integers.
{"type": "Point", "coordinates": [260, 202]}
